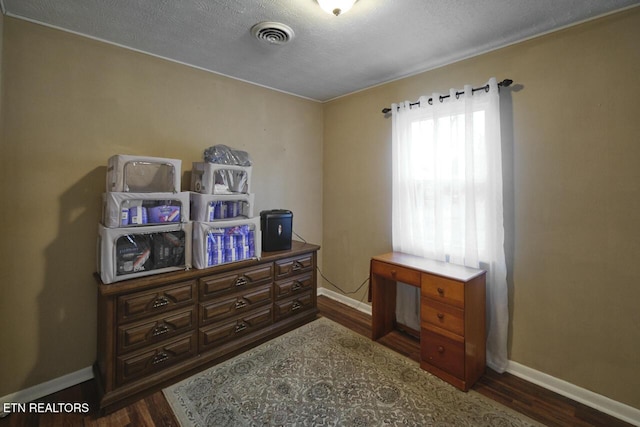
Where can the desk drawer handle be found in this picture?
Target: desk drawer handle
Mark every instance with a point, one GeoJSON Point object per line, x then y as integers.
{"type": "Point", "coordinates": [296, 306]}
{"type": "Point", "coordinates": [240, 327]}
{"type": "Point", "coordinates": [296, 286]}
{"type": "Point", "coordinates": [240, 304]}
{"type": "Point", "coordinates": [440, 316]}
{"type": "Point", "coordinates": [441, 291]}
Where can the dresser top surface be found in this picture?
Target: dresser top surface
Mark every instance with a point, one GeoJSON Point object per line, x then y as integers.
{"type": "Point", "coordinates": [440, 268]}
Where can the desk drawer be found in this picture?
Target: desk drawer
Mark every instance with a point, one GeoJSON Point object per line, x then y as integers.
{"type": "Point", "coordinates": [442, 315]}
{"type": "Point", "coordinates": [442, 352]}
{"type": "Point", "coordinates": [395, 272]}
{"type": "Point", "coordinates": [443, 290]}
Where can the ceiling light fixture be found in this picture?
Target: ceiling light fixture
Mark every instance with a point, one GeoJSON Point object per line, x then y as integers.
{"type": "Point", "coordinates": [336, 7]}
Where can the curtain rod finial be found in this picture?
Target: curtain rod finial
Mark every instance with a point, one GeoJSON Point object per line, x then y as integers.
{"type": "Point", "coordinates": [506, 82]}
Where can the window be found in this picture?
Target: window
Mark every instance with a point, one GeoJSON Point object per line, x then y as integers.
{"type": "Point", "coordinates": [447, 195]}
{"type": "Point", "coordinates": [439, 166]}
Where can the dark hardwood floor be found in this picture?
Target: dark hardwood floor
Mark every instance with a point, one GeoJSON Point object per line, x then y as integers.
{"type": "Point", "coordinates": [536, 402]}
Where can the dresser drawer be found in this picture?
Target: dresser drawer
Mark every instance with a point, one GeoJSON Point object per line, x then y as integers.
{"type": "Point", "coordinates": [443, 290]}
{"type": "Point", "coordinates": [443, 316]}
{"type": "Point", "coordinates": [396, 273]}
{"type": "Point", "coordinates": [215, 285]}
{"type": "Point", "coordinates": [152, 302]}
{"type": "Point", "coordinates": [295, 285]}
{"type": "Point", "coordinates": [236, 303]}
{"type": "Point", "coordinates": [219, 333]}
{"type": "Point", "coordinates": [293, 306]}
{"type": "Point", "coordinates": [153, 360]}
{"type": "Point", "coordinates": [442, 352]}
{"type": "Point", "coordinates": [291, 266]}
{"type": "Point", "coordinates": [137, 335]}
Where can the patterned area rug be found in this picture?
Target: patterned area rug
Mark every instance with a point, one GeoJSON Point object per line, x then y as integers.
{"type": "Point", "coordinates": [323, 374]}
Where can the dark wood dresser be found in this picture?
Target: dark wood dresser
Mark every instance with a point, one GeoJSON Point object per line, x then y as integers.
{"type": "Point", "coordinates": [452, 313]}
{"type": "Point", "coordinates": [156, 330]}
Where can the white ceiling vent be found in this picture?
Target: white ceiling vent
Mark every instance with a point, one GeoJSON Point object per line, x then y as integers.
{"type": "Point", "coordinates": [272, 32]}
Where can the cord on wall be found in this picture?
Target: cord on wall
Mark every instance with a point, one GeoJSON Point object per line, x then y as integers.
{"type": "Point", "coordinates": [329, 281]}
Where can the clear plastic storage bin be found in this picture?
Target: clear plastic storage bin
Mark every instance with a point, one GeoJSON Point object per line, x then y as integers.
{"type": "Point", "coordinates": [125, 253]}
{"type": "Point", "coordinates": [134, 209]}
{"type": "Point", "coordinates": [224, 242]}
{"type": "Point", "coordinates": [137, 174]}
{"type": "Point", "coordinates": [212, 178]}
{"type": "Point", "coordinates": [212, 207]}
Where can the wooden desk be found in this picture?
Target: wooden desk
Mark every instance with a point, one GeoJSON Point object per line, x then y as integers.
{"type": "Point", "coordinates": [452, 313]}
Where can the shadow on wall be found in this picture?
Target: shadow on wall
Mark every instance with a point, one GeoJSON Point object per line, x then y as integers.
{"type": "Point", "coordinates": [185, 182]}
{"type": "Point", "coordinates": [508, 191]}
{"type": "Point", "coordinates": [67, 303]}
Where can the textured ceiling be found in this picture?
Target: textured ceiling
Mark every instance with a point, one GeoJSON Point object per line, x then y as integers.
{"type": "Point", "coordinates": [376, 42]}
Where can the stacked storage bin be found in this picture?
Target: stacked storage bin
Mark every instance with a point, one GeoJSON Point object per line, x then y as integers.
{"type": "Point", "coordinates": [146, 226]}
{"type": "Point", "coordinates": [224, 227]}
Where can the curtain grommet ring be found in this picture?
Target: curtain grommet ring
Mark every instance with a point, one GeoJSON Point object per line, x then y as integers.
{"type": "Point", "coordinates": [486, 88]}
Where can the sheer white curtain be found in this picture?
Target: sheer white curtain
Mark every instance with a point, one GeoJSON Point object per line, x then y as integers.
{"type": "Point", "coordinates": [447, 196]}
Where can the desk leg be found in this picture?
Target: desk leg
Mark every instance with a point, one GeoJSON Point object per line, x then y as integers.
{"type": "Point", "coordinates": [383, 306]}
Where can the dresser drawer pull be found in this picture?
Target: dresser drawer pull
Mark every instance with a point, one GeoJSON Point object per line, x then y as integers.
{"type": "Point", "coordinates": [240, 304]}
{"type": "Point", "coordinates": [393, 273]}
{"type": "Point", "coordinates": [297, 266]}
{"type": "Point", "coordinates": [440, 349]}
{"type": "Point", "coordinates": [159, 330]}
{"type": "Point", "coordinates": [440, 316]}
{"type": "Point", "coordinates": [296, 286]}
{"type": "Point", "coordinates": [159, 358]}
{"type": "Point", "coordinates": [441, 291]}
{"type": "Point", "coordinates": [241, 327]}
{"type": "Point", "coordinates": [241, 281]}
{"type": "Point", "coordinates": [160, 302]}
{"type": "Point", "coordinates": [296, 306]}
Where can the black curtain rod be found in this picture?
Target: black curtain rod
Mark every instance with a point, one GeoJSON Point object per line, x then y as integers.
{"type": "Point", "coordinates": [504, 83]}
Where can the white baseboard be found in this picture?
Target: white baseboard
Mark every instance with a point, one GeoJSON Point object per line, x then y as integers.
{"type": "Point", "coordinates": [361, 306]}
{"type": "Point", "coordinates": [601, 403]}
{"type": "Point", "coordinates": [586, 397]}
{"type": "Point", "coordinates": [41, 390]}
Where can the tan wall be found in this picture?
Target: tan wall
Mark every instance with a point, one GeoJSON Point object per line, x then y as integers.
{"type": "Point", "coordinates": [70, 103]}
{"type": "Point", "coordinates": [1, 69]}
{"type": "Point", "coordinates": [572, 195]}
